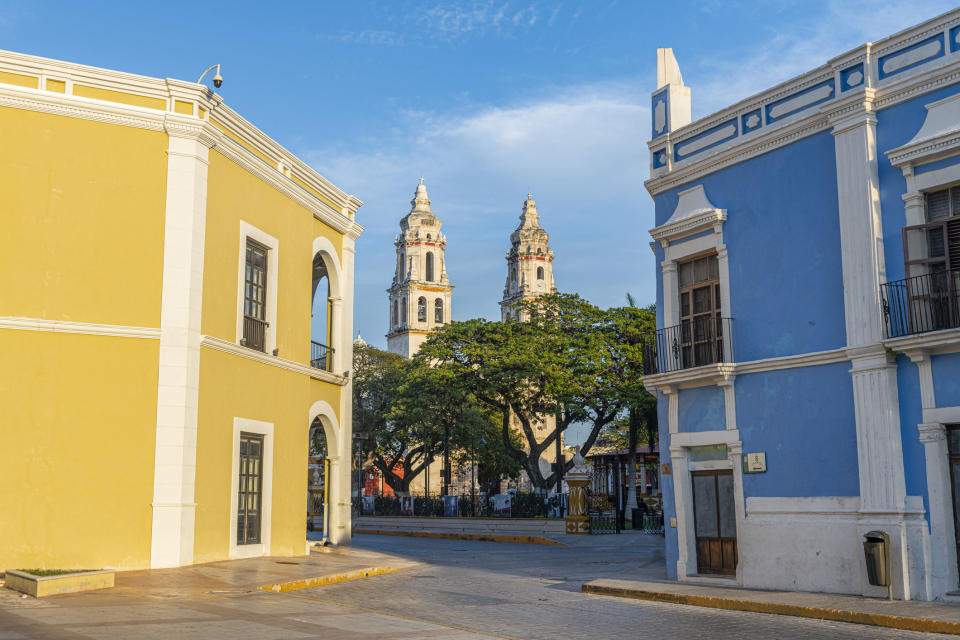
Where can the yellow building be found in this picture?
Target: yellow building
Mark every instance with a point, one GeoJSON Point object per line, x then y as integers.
{"type": "Point", "coordinates": [159, 378]}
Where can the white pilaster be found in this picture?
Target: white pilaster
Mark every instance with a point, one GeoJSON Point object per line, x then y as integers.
{"type": "Point", "coordinates": [341, 529]}
{"type": "Point", "coordinates": [942, 570]}
{"type": "Point", "coordinates": [921, 357]}
{"type": "Point", "coordinates": [179, 373]}
{"type": "Point", "coordinates": [683, 501]}
{"type": "Point", "coordinates": [879, 449]}
{"type": "Point", "coordinates": [861, 234]}
{"type": "Point", "coordinates": [729, 401]}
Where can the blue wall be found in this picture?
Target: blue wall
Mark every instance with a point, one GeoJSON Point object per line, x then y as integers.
{"type": "Point", "coordinates": [804, 420]}
{"type": "Point", "coordinates": [783, 239]}
{"type": "Point", "coordinates": [701, 409]}
{"type": "Point", "coordinates": [896, 126]}
{"type": "Point", "coordinates": [946, 379]}
{"type": "Point", "coordinates": [911, 414]}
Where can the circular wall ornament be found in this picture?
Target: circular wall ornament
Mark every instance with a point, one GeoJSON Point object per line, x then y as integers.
{"type": "Point", "coordinates": [753, 121]}
{"type": "Point", "coordinates": [854, 79]}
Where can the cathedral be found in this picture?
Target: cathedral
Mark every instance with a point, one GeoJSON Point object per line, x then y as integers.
{"type": "Point", "coordinates": [420, 295]}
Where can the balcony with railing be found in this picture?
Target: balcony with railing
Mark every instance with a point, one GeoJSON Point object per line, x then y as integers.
{"type": "Point", "coordinates": [321, 356]}
{"type": "Point", "coordinates": [929, 302]}
{"type": "Point", "coordinates": [692, 343]}
{"type": "Point", "coordinates": [254, 333]}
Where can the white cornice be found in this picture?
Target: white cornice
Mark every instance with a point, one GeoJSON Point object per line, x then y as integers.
{"type": "Point", "coordinates": [83, 108]}
{"type": "Point", "coordinates": [234, 151]}
{"type": "Point", "coordinates": [716, 373]}
{"type": "Point", "coordinates": [88, 328]}
{"type": "Point", "coordinates": [166, 90]}
{"type": "Point", "coordinates": [258, 356]}
{"type": "Point", "coordinates": [893, 90]}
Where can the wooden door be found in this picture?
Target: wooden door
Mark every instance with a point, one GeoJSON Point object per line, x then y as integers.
{"type": "Point", "coordinates": [715, 522]}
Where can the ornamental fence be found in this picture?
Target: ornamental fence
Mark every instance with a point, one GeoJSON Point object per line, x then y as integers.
{"type": "Point", "coordinates": [517, 505]}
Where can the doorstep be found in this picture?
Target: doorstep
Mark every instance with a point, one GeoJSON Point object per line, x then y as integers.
{"type": "Point", "coordinates": [929, 617]}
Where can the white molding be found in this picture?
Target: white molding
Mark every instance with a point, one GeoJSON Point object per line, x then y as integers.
{"type": "Point", "coordinates": [944, 415]}
{"type": "Point", "coordinates": [935, 342]}
{"type": "Point", "coordinates": [237, 153]}
{"type": "Point", "coordinates": [88, 328]}
{"type": "Point", "coordinates": [703, 438]}
{"type": "Point", "coordinates": [266, 497]}
{"type": "Point", "coordinates": [693, 213]}
{"type": "Point", "coordinates": [248, 231]}
{"type": "Point", "coordinates": [226, 346]}
{"type": "Point", "coordinates": [713, 374]}
{"type": "Point", "coordinates": [816, 506]}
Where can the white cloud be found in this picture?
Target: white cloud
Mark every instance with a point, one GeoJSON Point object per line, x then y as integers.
{"type": "Point", "coordinates": [450, 20]}
{"type": "Point", "coordinates": [370, 36]}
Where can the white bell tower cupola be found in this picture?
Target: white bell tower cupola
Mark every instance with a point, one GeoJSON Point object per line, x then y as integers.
{"type": "Point", "coordinates": [529, 263]}
{"type": "Point", "coordinates": [420, 294]}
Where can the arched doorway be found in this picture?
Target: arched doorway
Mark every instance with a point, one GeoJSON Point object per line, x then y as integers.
{"type": "Point", "coordinates": [331, 488]}
{"type": "Point", "coordinates": [318, 480]}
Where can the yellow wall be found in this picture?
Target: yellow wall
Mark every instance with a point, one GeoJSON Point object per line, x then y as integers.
{"type": "Point", "coordinates": [231, 386]}
{"type": "Point", "coordinates": [233, 195]}
{"type": "Point", "coordinates": [75, 191]}
{"type": "Point", "coordinates": [77, 439]}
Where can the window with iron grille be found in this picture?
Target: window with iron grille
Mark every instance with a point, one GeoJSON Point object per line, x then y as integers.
{"type": "Point", "coordinates": [250, 488]}
{"type": "Point", "coordinates": [701, 341]}
{"type": "Point", "coordinates": [255, 296]}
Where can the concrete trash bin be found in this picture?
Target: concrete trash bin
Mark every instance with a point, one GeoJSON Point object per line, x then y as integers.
{"type": "Point", "coordinates": [876, 546]}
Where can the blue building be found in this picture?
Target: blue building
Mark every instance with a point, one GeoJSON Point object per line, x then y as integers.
{"type": "Point", "coordinates": [807, 361]}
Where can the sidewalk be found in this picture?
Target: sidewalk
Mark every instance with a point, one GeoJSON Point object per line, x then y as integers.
{"type": "Point", "coordinates": [322, 566]}
{"type": "Point", "coordinates": [931, 617]}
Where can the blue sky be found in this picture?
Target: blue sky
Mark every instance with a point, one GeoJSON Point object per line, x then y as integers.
{"type": "Point", "coordinates": [487, 100]}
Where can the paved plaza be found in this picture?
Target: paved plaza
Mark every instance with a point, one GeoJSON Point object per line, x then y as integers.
{"type": "Point", "coordinates": [446, 589]}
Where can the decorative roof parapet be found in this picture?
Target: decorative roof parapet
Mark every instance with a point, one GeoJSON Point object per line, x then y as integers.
{"type": "Point", "coordinates": [892, 67]}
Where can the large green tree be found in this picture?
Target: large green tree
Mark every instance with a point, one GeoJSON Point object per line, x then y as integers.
{"type": "Point", "coordinates": [570, 359]}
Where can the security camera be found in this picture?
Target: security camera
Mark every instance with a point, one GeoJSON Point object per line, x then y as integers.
{"type": "Point", "coordinates": [217, 80]}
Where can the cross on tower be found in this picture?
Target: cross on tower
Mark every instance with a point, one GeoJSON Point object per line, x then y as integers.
{"type": "Point", "coordinates": [421, 179]}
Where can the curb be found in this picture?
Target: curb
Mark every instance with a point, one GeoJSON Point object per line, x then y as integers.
{"type": "Point", "coordinates": [453, 535]}
{"type": "Point", "coordinates": [332, 578]}
{"type": "Point", "coordinates": [904, 623]}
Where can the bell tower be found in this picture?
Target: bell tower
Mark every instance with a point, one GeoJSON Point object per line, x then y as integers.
{"type": "Point", "coordinates": [420, 294]}
{"type": "Point", "coordinates": [529, 263]}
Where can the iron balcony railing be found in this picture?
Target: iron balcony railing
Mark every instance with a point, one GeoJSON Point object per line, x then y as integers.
{"type": "Point", "coordinates": [930, 302]}
{"type": "Point", "coordinates": [692, 343]}
{"type": "Point", "coordinates": [321, 356]}
{"type": "Point", "coordinates": [254, 333]}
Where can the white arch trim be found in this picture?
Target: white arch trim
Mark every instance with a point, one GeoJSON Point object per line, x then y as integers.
{"type": "Point", "coordinates": [331, 427]}
{"type": "Point", "coordinates": [331, 259]}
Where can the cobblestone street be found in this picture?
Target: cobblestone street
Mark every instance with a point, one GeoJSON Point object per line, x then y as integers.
{"type": "Point", "coordinates": [459, 590]}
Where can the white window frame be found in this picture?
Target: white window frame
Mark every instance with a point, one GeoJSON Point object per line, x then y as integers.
{"type": "Point", "coordinates": [247, 230]}
{"type": "Point", "coordinates": [265, 429]}
{"type": "Point", "coordinates": [694, 214]}
{"type": "Point", "coordinates": [682, 467]}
